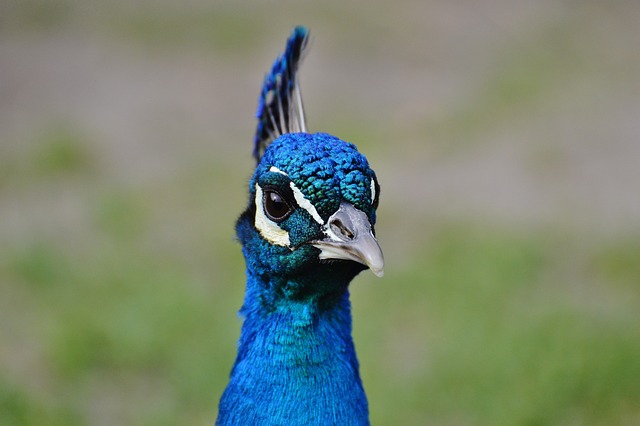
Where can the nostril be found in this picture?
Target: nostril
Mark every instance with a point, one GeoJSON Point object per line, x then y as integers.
{"type": "Point", "coordinates": [340, 229]}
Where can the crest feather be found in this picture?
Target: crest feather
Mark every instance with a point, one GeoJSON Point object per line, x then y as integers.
{"type": "Point", "coordinates": [280, 108]}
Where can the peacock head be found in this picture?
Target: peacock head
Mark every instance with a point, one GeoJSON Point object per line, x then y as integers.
{"type": "Point", "coordinates": [309, 226]}
{"type": "Point", "coordinates": [312, 210]}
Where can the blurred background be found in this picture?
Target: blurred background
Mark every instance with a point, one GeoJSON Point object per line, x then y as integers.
{"type": "Point", "coordinates": [505, 135]}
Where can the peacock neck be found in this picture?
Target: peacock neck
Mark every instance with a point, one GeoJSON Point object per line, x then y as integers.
{"type": "Point", "coordinates": [296, 360]}
{"type": "Point", "coordinates": [296, 331]}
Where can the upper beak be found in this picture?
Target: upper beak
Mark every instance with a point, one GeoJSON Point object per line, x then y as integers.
{"type": "Point", "coordinates": [349, 237]}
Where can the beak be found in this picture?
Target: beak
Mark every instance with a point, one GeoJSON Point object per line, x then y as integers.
{"type": "Point", "coordinates": [349, 237]}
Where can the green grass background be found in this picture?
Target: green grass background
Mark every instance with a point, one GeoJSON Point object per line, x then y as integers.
{"type": "Point", "coordinates": [120, 278]}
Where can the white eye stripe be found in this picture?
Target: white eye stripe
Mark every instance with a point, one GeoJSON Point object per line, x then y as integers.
{"type": "Point", "coordinates": [373, 191]}
{"type": "Point", "coordinates": [269, 230]}
{"type": "Point", "coordinates": [300, 198]}
{"type": "Point", "coordinates": [305, 204]}
{"type": "Point", "coordinates": [277, 170]}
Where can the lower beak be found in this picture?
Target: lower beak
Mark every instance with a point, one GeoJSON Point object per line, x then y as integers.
{"type": "Point", "coordinates": [350, 237]}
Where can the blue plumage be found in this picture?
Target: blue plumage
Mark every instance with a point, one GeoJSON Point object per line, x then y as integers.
{"type": "Point", "coordinates": [306, 233]}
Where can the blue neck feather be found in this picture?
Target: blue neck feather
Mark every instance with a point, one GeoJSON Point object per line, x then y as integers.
{"type": "Point", "coordinates": [296, 362]}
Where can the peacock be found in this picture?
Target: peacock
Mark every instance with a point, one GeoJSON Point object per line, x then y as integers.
{"type": "Point", "coordinates": [307, 231]}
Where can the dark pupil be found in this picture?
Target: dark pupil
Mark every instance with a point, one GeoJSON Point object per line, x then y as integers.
{"type": "Point", "coordinates": [275, 206]}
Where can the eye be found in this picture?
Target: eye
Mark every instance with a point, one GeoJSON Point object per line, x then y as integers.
{"type": "Point", "coordinates": [275, 207]}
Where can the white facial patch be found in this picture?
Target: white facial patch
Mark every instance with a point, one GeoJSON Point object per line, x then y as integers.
{"type": "Point", "coordinates": [305, 204]}
{"type": "Point", "coordinates": [269, 230]}
{"type": "Point", "coordinates": [300, 198]}
{"type": "Point", "coordinates": [373, 191]}
{"type": "Point", "coordinates": [274, 169]}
